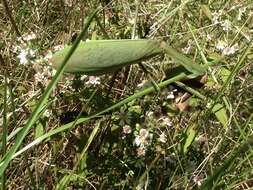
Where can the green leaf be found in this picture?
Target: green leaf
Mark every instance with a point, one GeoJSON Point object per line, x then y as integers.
{"type": "Point", "coordinates": [39, 130]}
{"type": "Point", "coordinates": [224, 74]}
{"type": "Point", "coordinates": [220, 113]}
{"type": "Point", "coordinates": [191, 133]}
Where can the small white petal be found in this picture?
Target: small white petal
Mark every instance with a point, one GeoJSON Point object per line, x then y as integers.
{"type": "Point", "coordinates": [93, 80]}
{"type": "Point", "coordinates": [141, 151]}
{"type": "Point", "coordinates": [137, 141]}
{"type": "Point", "coordinates": [127, 129]}
{"type": "Point", "coordinates": [23, 57]}
{"type": "Point", "coordinates": [29, 37]}
{"type": "Point", "coordinates": [162, 138]}
{"type": "Point", "coordinates": [226, 25]}
{"type": "Point", "coordinates": [221, 45]}
{"type": "Point", "coordinates": [170, 96]}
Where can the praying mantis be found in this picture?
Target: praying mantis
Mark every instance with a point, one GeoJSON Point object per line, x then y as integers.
{"type": "Point", "coordinates": [98, 57]}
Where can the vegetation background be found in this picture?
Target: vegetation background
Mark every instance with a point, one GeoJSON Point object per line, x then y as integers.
{"type": "Point", "coordinates": [193, 134]}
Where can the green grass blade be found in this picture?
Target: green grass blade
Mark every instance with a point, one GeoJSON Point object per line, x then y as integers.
{"type": "Point", "coordinates": [5, 128]}
{"type": "Point", "coordinates": [145, 173]}
{"type": "Point", "coordinates": [232, 74]}
{"type": "Point", "coordinates": [85, 119]}
{"type": "Point", "coordinates": [32, 119]}
{"type": "Point", "coordinates": [218, 109]}
{"type": "Point", "coordinates": [190, 134]}
{"type": "Point", "coordinates": [245, 146]}
{"type": "Point", "coordinates": [65, 180]}
{"type": "Point", "coordinates": [221, 114]}
{"type": "Point", "coordinates": [13, 134]}
{"type": "Point", "coordinates": [203, 57]}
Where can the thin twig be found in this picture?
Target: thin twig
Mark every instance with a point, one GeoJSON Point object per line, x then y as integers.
{"type": "Point", "coordinates": [8, 12]}
{"type": "Point", "coordinates": [1, 60]}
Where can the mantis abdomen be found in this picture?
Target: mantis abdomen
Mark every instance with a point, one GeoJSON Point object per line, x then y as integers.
{"type": "Point", "coordinates": [104, 56]}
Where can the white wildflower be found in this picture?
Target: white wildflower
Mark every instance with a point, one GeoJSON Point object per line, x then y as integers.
{"type": "Point", "coordinates": [127, 129]}
{"type": "Point", "coordinates": [242, 10]}
{"type": "Point", "coordinates": [144, 133]}
{"type": "Point", "coordinates": [137, 141]}
{"type": "Point", "coordinates": [166, 121]}
{"type": "Point", "coordinates": [29, 37]}
{"type": "Point", "coordinates": [143, 138]}
{"type": "Point", "coordinates": [141, 151]}
{"type": "Point", "coordinates": [170, 95]}
{"type": "Point", "coordinates": [43, 73]}
{"type": "Point", "coordinates": [209, 37]}
{"type": "Point", "coordinates": [226, 25]}
{"type": "Point", "coordinates": [162, 138]}
{"type": "Point", "coordinates": [93, 80]}
{"type": "Point", "coordinates": [221, 45]}
{"type": "Point", "coordinates": [230, 50]}
{"type": "Point", "coordinates": [39, 77]}
{"type": "Point", "coordinates": [47, 113]}
{"type": "Point", "coordinates": [23, 57]}
{"type": "Point", "coordinates": [216, 16]}
{"type": "Point", "coordinates": [25, 54]}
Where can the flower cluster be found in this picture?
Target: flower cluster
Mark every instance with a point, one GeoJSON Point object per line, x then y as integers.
{"type": "Point", "coordinates": [127, 129]}
{"type": "Point", "coordinates": [28, 55]}
{"type": "Point", "coordinates": [225, 48]}
{"type": "Point", "coordinates": [142, 140]}
{"type": "Point", "coordinates": [25, 53]}
{"type": "Point", "coordinates": [166, 121]}
{"type": "Point", "coordinates": [93, 80]}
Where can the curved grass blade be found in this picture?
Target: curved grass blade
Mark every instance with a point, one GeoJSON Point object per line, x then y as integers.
{"type": "Point", "coordinates": [232, 75]}
{"type": "Point", "coordinates": [32, 119]}
{"type": "Point", "coordinates": [243, 148]}
{"type": "Point", "coordinates": [70, 125]}
{"type": "Point", "coordinates": [66, 179]}
{"type": "Point", "coordinates": [5, 128]}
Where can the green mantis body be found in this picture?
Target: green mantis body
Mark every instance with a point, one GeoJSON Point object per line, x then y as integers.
{"type": "Point", "coordinates": [98, 57]}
